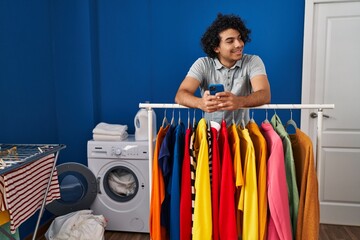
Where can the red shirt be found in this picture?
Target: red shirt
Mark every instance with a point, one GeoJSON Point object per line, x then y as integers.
{"type": "Point", "coordinates": [227, 190]}
{"type": "Point", "coordinates": [215, 187]}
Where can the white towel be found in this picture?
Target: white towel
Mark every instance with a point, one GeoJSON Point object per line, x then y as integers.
{"type": "Point", "coordinates": [104, 137]}
{"type": "Point", "coordinates": [110, 129]}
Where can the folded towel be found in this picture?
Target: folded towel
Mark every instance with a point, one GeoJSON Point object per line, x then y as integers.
{"type": "Point", "coordinates": [110, 129]}
{"type": "Point", "coordinates": [104, 137]}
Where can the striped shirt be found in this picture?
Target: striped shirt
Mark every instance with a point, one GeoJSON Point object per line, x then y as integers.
{"type": "Point", "coordinates": [23, 190]}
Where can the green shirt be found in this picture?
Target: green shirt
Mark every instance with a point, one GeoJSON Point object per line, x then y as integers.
{"type": "Point", "coordinates": [289, 169]}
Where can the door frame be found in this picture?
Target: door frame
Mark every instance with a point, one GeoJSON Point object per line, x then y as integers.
{"type": "Point", "coordinates": [308, 125]}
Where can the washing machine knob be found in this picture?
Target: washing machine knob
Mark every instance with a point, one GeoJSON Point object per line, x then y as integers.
{"type": "Point", "coordinates": [117, 152]}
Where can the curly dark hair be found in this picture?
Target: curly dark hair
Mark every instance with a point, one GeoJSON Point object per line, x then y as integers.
{"type": "Point", "coordinates": [211, 38]}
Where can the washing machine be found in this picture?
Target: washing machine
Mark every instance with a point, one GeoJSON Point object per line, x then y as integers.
{"type": "Point", "coordinates": [115, 184]}
{"type": "Point", "coordinates": [122, 175]}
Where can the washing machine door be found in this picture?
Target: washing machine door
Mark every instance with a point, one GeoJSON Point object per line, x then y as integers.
{"type": "Point", "coordinates": [121, 184]}
{"type": "Point", "coordinates": [78, 189]}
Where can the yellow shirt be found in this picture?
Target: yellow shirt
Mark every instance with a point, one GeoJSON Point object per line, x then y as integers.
{"type": "Point", "coordinates": [248, 197]}
{"type": "Point", "coordinates": [202, 226]}
{"type": "Point", "coordinates": [234, 142]}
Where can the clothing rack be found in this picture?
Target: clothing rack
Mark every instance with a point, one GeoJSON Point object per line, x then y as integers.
{"type": "Point", "coordinates": [318, 107]}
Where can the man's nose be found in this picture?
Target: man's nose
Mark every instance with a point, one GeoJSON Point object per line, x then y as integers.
{"type": "Point", "coordinates": [239, 43]}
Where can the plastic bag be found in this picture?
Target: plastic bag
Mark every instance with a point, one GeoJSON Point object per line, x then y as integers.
{"type": "Point", "coordinates": [80, 225]}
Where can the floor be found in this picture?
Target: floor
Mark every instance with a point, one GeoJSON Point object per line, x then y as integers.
{"type": "Point", "coordinates": [337, 232]}
{"type": "Point", "coordinates": [327, 232]}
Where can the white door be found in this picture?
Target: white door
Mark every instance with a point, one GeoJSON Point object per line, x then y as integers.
{"type": "Point", "coordinates": [331, 75]}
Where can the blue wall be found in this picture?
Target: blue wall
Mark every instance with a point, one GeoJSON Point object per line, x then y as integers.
{"type": "Point", "coordinates": [66, 65]}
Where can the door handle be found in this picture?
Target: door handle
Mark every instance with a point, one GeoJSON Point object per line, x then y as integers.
{"type": "Point", "coordinates": [315, 115]}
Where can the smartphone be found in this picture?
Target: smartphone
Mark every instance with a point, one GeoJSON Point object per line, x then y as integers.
{"type": "Point", "coordinates": [215, 88]}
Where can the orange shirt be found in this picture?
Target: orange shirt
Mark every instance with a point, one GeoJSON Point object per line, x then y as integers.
{"type": "Point", "coordinates": [157, 232]}
{"type": "Point", "coordinates": [309, 210]}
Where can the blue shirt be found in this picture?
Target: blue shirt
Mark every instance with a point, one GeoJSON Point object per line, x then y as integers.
{"type": "Point", "coordinates": [175, 182]}
{"type": "Point", "coordinates": [165, 159]}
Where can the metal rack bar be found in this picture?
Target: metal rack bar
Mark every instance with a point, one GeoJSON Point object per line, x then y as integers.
{"type": "Point", "coordinates": [24, 154]}
{"type": "Point", "coordinates": [319, 107]}
{"type": "Point", "coordinates": [45, 196]}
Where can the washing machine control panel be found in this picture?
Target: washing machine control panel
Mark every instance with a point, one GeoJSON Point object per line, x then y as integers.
{"type": "Point", "coordinates": [130, 151]}
{"type": "Point", "coordinates": [122, 150]}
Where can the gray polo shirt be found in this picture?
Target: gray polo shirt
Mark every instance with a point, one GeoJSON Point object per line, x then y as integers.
{"type": "Point", "coordinates": [236, 80]}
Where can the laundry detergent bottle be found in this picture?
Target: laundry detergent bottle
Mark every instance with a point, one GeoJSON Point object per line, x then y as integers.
{"type": "Point", "coordinates": [141, 125]}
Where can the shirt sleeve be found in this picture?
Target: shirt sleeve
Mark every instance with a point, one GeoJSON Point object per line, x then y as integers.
{"type": "Point", "coordinates": [197, 70]}
{"type": "Point", "coordinates": [257, 66]}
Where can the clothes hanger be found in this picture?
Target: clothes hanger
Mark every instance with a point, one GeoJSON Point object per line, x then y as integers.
{"type": "Point", "coordinates": [179, 119]}
{"type": "Point", "coordinates": [173, 117]}
{"type": "Point", "coordinates": [266, 116]}
{"type": "Point", "coordinates": [242, 123]}
{"type": "Point", "coordinates": [188, 119]}
{"type": "Point", "coordinates": [165, 121]}
{"type": "Point", "coordinates": [275, 120]}
{"type": "Point", "coordinates": [252, 117]}
{"type": "Point", "coordinates": [233, 118]}
{"type": "Point", "coordinates": [194, 119]}
{"type": "Point", "coordinates": [290, 122]}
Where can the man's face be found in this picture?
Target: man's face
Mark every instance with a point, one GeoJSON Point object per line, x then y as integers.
{"type": "Point", "coordinates": [230, 48]}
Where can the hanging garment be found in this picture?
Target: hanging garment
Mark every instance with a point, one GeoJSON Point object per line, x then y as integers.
{"type": "Point", "coordinates": [309, 213]}
{"type": "Point", "coordinates": [185, 196]}
{"type": "Point", "coordinates": [210, 146]}
{"type": "Point", "coordinates": [202, 226]}
{"type": "Point", "coordinates": [157, 232]}
{"type": "Point", "coordinates": [290, 171]}
{"type": "Point", "coordinates": [279, 226]}
{"type": "Point", "coordinates": [248, 199]}
{"type": "Point", "coordinates": [15, 183]}
{"type": "Point", "coordinates": [175, 182]}
{"type": "Point", "coordinates": [260, 159]}
{"type": "Point", "coordinates": [234, 143]}
{"type": "Point", "coordinates": [216, 176]}
{"type": "Point", "coordinates": [166, 157]}
{"type": "Point", "coordinates": [193, 163]}
{"type": "Point", "coordinates": [227, 217]}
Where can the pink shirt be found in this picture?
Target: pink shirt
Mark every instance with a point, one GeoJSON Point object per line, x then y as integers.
{"type": "Point", "coordinates": [279, 226]}
{"type": "Point", "coordinates": [185, 197]}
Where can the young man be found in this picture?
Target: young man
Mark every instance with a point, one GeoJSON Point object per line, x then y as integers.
{"type": "Point", "coordinates": [243, 76]}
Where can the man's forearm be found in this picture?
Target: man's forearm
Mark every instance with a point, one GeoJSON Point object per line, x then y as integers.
{"type": "Point", "coordinates": [258, 98]}
{"type": "Point", "coordinates": [188, 100]}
